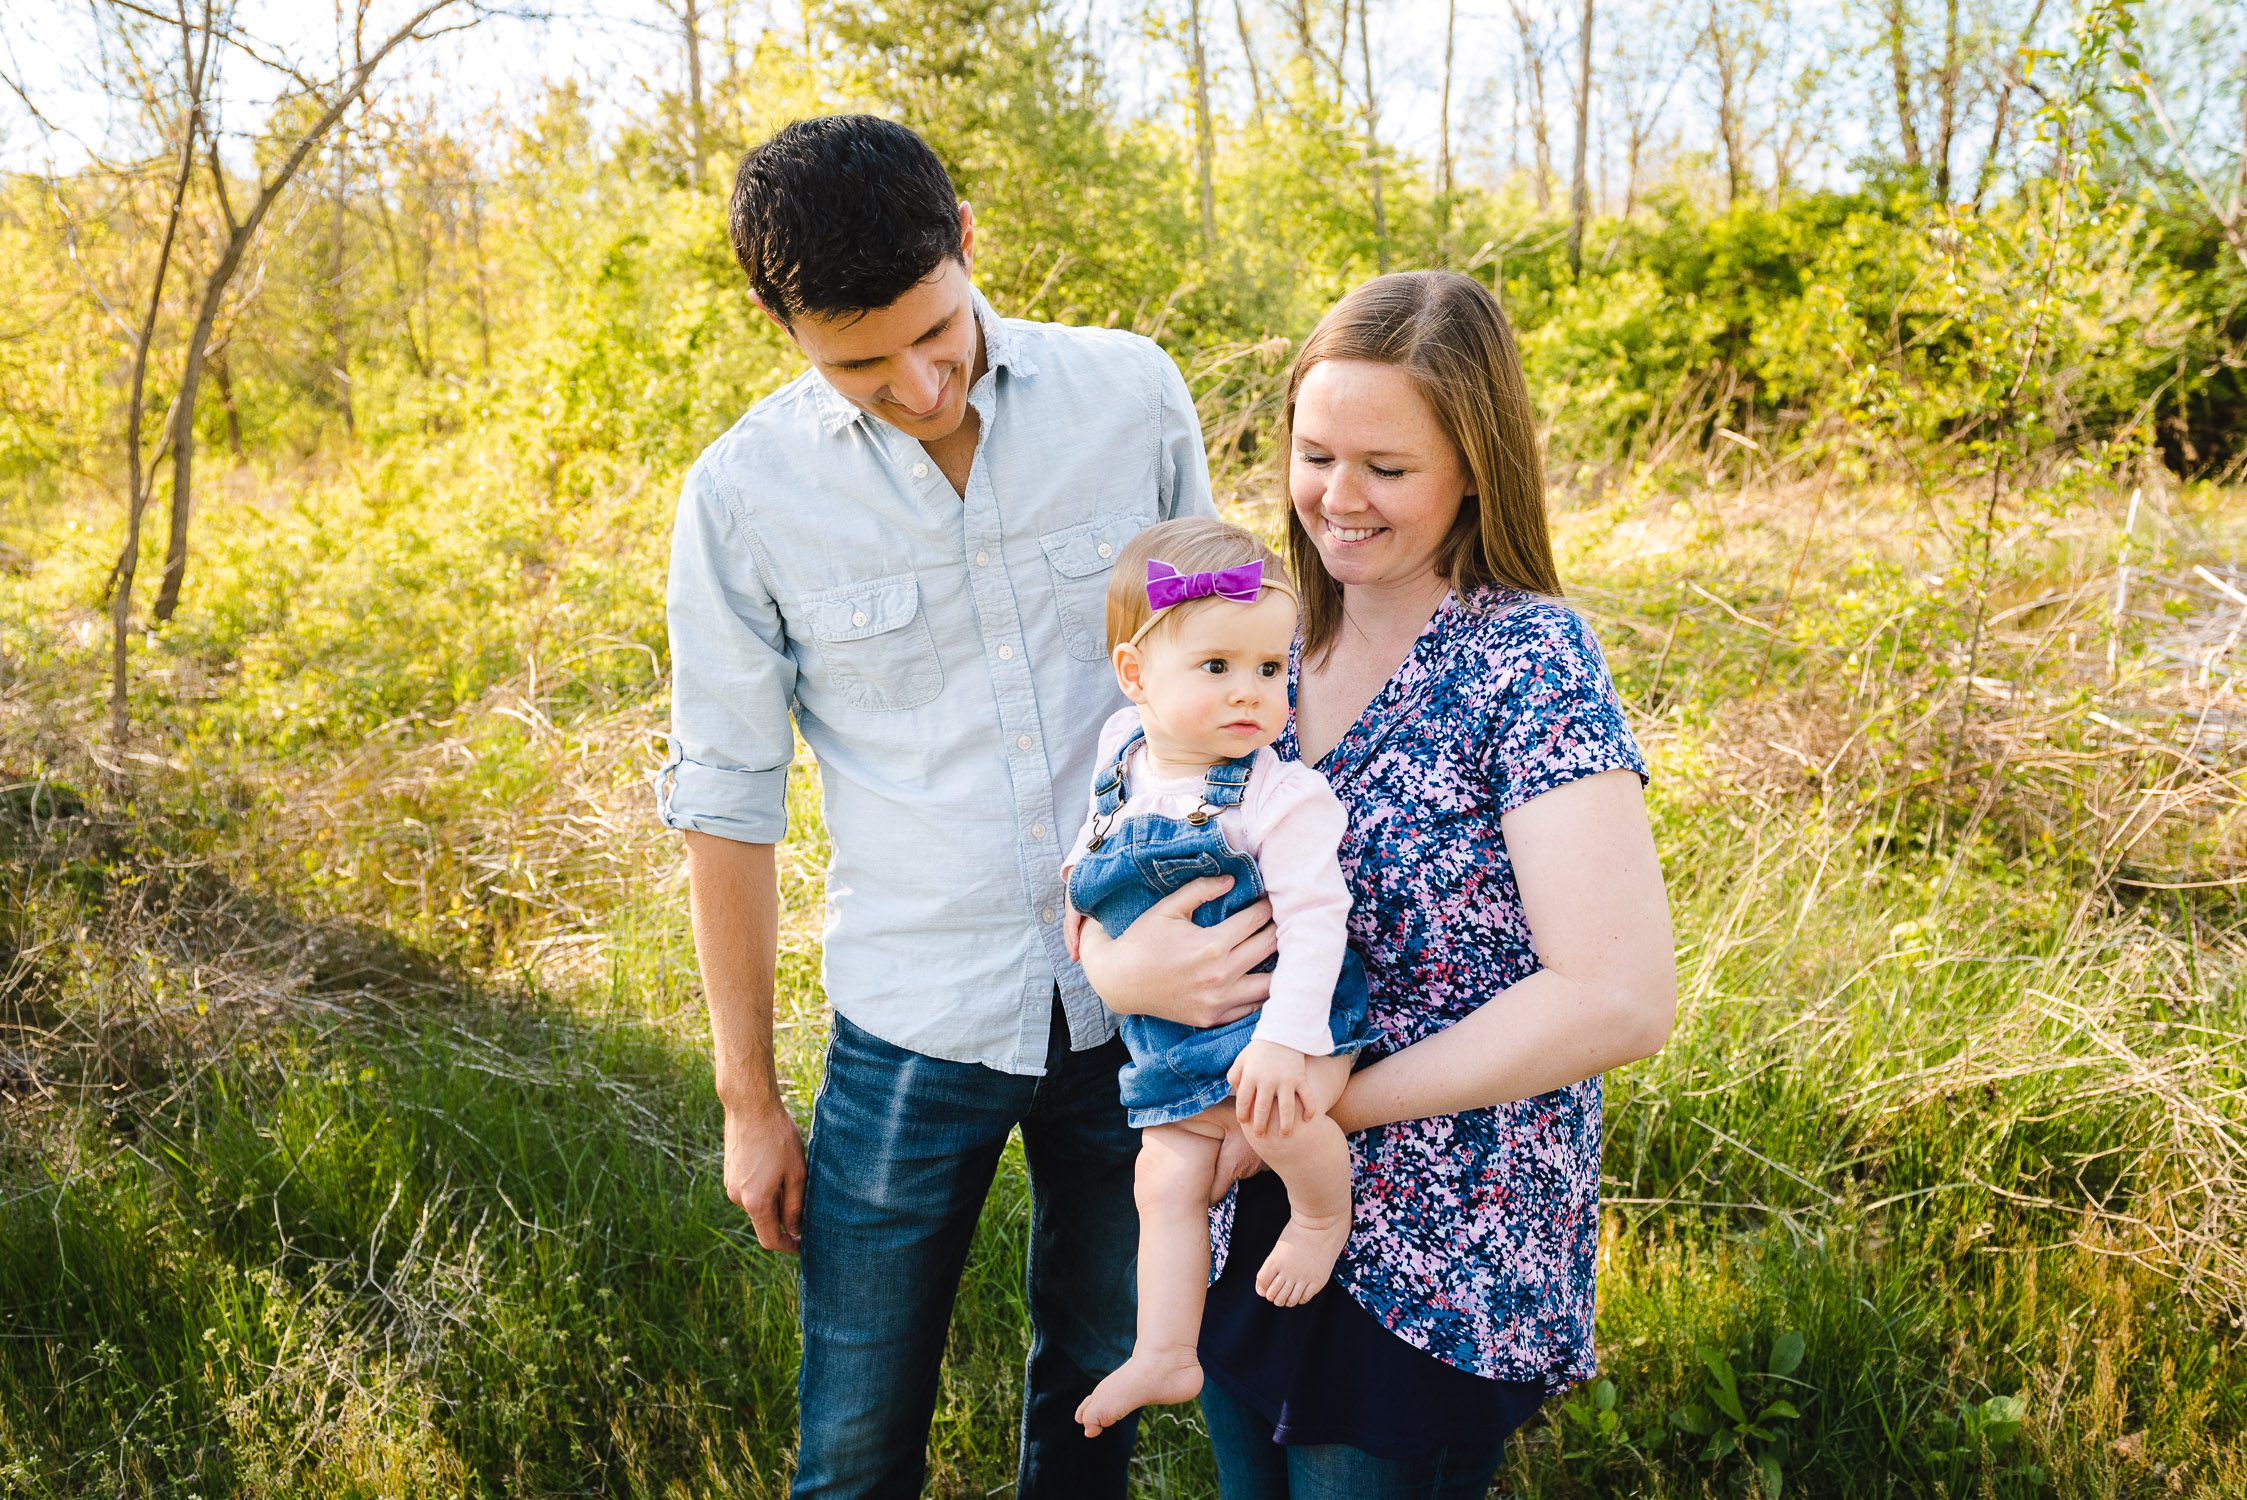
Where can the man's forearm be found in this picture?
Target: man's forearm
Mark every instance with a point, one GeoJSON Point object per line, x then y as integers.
{"type": "Point", "coordinates": [735, 898]}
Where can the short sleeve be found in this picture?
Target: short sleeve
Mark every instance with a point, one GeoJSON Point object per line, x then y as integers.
{"type": "Point", "coordinates": [1552, 715]}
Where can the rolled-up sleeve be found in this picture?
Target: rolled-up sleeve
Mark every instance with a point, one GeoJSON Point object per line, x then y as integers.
{"type": "Point", "coordinates": [1185, 465]}
{"type": "Point", "coordinates": [726, 767]}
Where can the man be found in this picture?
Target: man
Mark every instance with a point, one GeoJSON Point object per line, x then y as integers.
{"type": "Point", "coordinates": [907, 549]}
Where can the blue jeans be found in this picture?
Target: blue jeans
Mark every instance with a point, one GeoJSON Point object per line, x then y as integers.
{"type": "Point", "coordinates": [903, 1149]}
{"type": "Point", "coordinates": [1250, 1466]}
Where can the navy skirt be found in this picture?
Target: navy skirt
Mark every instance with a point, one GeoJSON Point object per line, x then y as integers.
{"type": "Point", "coordinates": [1327, 1371]}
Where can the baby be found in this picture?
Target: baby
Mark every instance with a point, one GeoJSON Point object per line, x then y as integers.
{"type": "Point", "coordinates": [1200, 617]}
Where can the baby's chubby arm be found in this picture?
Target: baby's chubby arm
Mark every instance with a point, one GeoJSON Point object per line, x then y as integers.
{"type": "Point", "coordinates": [1294, 825]}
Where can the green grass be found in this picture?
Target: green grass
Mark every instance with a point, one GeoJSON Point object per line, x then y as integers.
{"type": "Point", "coordinates": [356, 1135]}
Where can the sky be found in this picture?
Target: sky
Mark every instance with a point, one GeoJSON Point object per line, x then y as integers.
{"type": "Point", "coordinates": [626, 51]}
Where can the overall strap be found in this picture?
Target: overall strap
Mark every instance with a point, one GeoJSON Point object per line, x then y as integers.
{"type": "Point", "coordinates": [1108, 790]}
{"type": "Point", "coordinates": [1227, 782]}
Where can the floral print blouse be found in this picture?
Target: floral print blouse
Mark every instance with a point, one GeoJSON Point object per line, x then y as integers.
{"type": "Point", "coordinates": [1474, 1234]}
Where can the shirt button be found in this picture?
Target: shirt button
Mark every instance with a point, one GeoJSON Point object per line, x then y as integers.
{"type": "Point", "coordinates": [1106, 550]}
{"type": "Point", "coordinates": [858, 617]}
{"type": "Point", "coordinates": [1022, 742]}
{"type": "Point", "coordinates": [1037, 830]}
{"type": "Point", "coordinates": [920, 471]}
{"type": "Point", "coordinates": [983, 559]}
{"type": "Point", "coordinates": [1046, 915]}
{"type": "Point", "coordinates": [1006, 653]}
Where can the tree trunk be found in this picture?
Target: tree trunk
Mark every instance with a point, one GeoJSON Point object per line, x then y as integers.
{"type": "Point", "coordinates": [1533, 74]}
{"type": "Point", "coordinates": [1205, 132]}
{"type": "Point", "coordinates": [1724, 50]}
{"type": "Point", "coordinates": [141, 481]}
{"type": "Point", "coordinates": [339, 308]}
{"type": "Point", "coordinates": [1443, 135]}
{"type": "Point", "coordinates": [1248, 54]}
{"type": "Point", "coordinates": [1899, 60]}
{"type": "Point", "coordinates": [222, 372]}
{"type": "Point", "coordinates": [2009, 79]}
{"type": "Point", "coordinates": [1373, 138]}
{"type": "Point", "coordinates": [1946, 86]}
{"type": "Point", "coordinates": [476, 247]}
{"type": "Point", "coordinates": [214, 296]}
{"type": "Point", "coordinates": [1579, 192]}
{"type": "Point", "coordinates": [406, 295]}
{"type": "Point", "coordinates": [692, 17]}
{"type": "Point", "coordinates": [1341, 58]}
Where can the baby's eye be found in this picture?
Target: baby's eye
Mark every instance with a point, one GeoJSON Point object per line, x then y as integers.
{"type": "Point", "coordinates": [1214, 665]}
{"type": "Point", "coordinates": [1268, 669]}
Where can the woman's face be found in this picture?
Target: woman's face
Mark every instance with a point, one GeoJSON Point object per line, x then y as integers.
{"type": "Point", "coordinates": [1375, 479]}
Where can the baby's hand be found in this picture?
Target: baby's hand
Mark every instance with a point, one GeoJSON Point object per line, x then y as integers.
{"type": "Point", "coordinates": [1270, 1088]}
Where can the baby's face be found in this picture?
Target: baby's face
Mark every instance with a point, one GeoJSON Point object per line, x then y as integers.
{"type": "Point", "coordinates": [1213, 684]}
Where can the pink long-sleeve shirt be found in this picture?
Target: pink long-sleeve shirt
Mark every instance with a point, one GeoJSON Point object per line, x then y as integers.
{"type": "Point", "coordinates": [1288, 821]}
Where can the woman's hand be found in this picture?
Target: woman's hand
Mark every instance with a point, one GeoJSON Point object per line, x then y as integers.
{"type": "Point", "coordinates": [1166, 965]}
{"type": "Point", "coordinates": [1271, 1088]}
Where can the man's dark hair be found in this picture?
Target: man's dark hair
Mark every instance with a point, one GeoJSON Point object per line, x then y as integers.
{"type": "Point", "coordinates": [841, 214]}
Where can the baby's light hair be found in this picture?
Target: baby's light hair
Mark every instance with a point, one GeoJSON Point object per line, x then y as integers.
{"type": "Point", "coordinates": [1190, 544]}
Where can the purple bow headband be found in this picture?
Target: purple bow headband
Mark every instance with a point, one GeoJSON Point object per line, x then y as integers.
{"type": "Point", "coordinates": [1166, 586]}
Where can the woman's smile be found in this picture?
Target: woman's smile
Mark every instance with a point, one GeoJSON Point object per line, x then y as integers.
{"type": "Point", "coordinates": [1350, 536]}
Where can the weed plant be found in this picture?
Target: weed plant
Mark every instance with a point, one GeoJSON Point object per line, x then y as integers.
{"type": "Point", "coordinates": [359, 1138]}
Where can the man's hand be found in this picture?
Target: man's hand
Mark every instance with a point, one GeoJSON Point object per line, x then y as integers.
{"type": "Point", "coordinates": [1165, 965]}
{"type": "Point", "coordinates": [1270, 1088]}
{"type": "Point", "coordinates": [765, 1172]}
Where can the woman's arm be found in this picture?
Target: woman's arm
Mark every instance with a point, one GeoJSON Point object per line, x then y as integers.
{"type": "Point", "coordinates": [1591, 888]}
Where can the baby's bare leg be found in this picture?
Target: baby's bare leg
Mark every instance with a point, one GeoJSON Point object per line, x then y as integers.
{"type": "Point", "coordinates": [1314, 1161]}
{"type": "Point", "coordinates": [1172, 1191]}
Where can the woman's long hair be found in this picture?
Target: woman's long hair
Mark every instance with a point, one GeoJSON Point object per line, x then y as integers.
{"type": "Point", "coordinates": [1446, 332]}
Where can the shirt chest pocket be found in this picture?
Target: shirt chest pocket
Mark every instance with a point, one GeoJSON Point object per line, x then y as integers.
{"type": "Point", "coordinates": [874, 642]}
{"type": "Point", "coordinates": [1080, 558]}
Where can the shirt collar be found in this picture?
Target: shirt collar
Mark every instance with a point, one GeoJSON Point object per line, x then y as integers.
{"type": "Point", "coordinates": [1000, 352]}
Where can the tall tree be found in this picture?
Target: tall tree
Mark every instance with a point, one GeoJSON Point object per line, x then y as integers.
{"type": "Point", "coordinates": [1732, 41]}
{"type": "Point", "coordinates": [1248, 56]}
{"type": "Point", "coordinates": [1443, 131]}
{"type": "Point", "coordinates": [336, 292]}
{"type": "Point", "coordinates": [1533, 88]}
{"type": "Point", "coordinates": [1946, 95]}
{"type": "Point", "coordinates": [690, 22]}
{"type": "Point", "coordinates": [1372, 135]}
{"type": "Point", "coordinates": [197, 43]}
{"type": "Point", "coordinates": [1205, 131]}
{"type": "Point", "coordinates": [1579, 194]}
{"type": "Point", "coordinates": [2009, 78]}
{"type": "Point", "coordinates": [1898, 37]}
{"type": "Point", "coordinates": [242, 231]}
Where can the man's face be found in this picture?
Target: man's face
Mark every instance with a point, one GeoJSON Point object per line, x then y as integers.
{"type": "Point", "coordinates": [909, 363]}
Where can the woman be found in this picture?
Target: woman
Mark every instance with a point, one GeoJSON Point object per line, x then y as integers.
{"type": "Point", "coordinates": [1507, 902]}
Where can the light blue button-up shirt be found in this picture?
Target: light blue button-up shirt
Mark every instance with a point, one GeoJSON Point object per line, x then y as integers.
{"type": "Point", "coordinates": [945, 657]}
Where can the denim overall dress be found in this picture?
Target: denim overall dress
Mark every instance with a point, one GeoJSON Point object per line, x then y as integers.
{"type": "Point", "coordinates": [1178, 1071]}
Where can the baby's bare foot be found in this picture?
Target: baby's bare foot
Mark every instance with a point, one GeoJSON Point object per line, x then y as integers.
{"type": "Point", "coordinates": [1155, 1377]}
{"type": "Point", "coordinates": [1303, 1259]}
